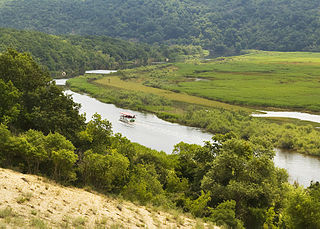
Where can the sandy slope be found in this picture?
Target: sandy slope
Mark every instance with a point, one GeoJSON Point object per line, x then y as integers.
{"type": "Point", "coordinates": [32, 201]}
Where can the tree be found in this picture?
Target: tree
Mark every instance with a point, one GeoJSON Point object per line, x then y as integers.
{"type": "Point", "coordinates": [143, 185]}
{"type": "Point", "coordinates": [107, 172]}
{"type": "Point", "coordinates": [224, 214]}
{"type": "Point", "coordinates": [199, 207]}
{"type": "Point", "coordinates": [9, 102]}
{"type": "Point", "coordinates": [62, 158]}
{"type": "Point", "coordinates": [64, 161]}
{"type": "Point", "coordinates": [25, 74]}
{"type": "Point", "coordinates": [43, 106]}
{"type": "Point", "coordinates": [53, 111]}
{"type": "Point", "coordinates": [96, 136]}
{"type": "Point", "coordinates": [303, 207]}
{"type": "Point", "coordinates": [37, 152]}
{"type": "Point", "coordinates": [5, 140]}
{"type": "Point", "coordinates": [247, 176]}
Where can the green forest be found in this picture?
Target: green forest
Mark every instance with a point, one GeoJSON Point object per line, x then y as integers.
{"type": "Point", "coordinates": [224, 27]}
{"type": "Point", "coordinates": [231, 181]}
{"type": "Point", "coordinates": [74, 54]}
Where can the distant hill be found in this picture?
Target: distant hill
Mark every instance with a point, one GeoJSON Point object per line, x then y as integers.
{"type": "Point", "coordinates": [222, 26]}
{"type": "Point", "coordinates": [74, 54]}
{"type": "Point", "coordinates": [30, 201]}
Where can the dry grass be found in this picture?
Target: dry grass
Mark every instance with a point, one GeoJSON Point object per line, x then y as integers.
{"type": "Point", "coordinates": [114, 81]}
{"type": "Point", "coordinates": [49, 205]}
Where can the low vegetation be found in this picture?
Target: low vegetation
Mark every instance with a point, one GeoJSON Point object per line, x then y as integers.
{"type": "Point", "coordinates": [257, 79]}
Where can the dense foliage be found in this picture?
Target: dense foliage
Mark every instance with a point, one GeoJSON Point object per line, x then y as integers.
{"type": "Point", "coordinates": [33, 100]}
{"type": "Point", "coordinates": [230, 181]}
{"type": "Point", "coordinates": [222, 26]}
{"type": "Point", "coordinates": [75, 54]}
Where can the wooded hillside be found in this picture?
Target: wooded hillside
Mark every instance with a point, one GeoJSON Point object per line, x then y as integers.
{"type": "Point", "coordinates": [222, 26]}
{"type": "Point", "coordinates": [74, 54]}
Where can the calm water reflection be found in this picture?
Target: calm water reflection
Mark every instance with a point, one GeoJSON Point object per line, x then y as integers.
{"type": "Point", "coordinates": [301, 168]}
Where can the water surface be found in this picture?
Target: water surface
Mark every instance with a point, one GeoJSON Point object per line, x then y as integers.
{"type": "Point", "coordinates": [60, 82]}
{"type": "Point", "coordinates": [301, 168]}
{"type": "Point", "coordinates": [99, 71]}
{"type": "Point", "coordinates": [147, 130]}
{"type": "Point", "coordinates": [150, 131]}
{"type": "Point", "coordinates": [290, 114]}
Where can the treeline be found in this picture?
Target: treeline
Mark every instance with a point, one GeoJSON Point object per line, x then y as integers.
{"type": "Point", "coordinates": [74, 54]}
{"type": "Point", "coordinates": [221, 26]}
{"type": "Point", "coordinates": [230, 181]}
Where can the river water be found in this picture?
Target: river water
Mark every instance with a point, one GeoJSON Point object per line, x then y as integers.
{"type": "Point", "coordinates": [150, 131]}
{"type": "Point", "coordinates": [290, 114]}
{"type": "Point", "coordinates": [147, 130]}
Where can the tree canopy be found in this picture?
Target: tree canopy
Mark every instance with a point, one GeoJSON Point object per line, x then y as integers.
{"type": "Point", "coordinates": [33, 99]}
{"type": "Point", "coordinates": [222, 26]}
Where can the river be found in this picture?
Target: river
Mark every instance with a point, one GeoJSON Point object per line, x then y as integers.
{"type": "Point", "coordinates": [150, 131]}
{"type": "Point", "coordinates": [147, 130]}
{"type": "Point", "coordinates": [290, 114]}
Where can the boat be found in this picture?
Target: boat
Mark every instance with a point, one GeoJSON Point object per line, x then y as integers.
{"type": "Point", "coordinates": [127, 117]}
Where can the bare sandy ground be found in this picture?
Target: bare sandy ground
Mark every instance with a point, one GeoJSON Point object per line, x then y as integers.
{"type": "Point", "coordinates": [28, 201]}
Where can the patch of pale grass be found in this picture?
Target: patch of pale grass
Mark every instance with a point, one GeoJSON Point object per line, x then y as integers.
{"type": "Point", "coordinates": [38, 223]}
{"type": "Point", "coordinates": [199, 224]}
{"type": "Point", "coordinates": [18, 221]}
{"type": "Point", "coordinates": [79, 221]}
{"type": "Point", "coordinates": [24, 197]}
{"type": "Point", "coordinates": [116, 226]}
{"type": "Point", "coordinates": [6, 212]}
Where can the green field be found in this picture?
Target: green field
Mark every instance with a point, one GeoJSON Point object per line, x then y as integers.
{"type": "Point", "coordinates": [258, 79]}
{"type": "Point", "coordinates": [280, 80]}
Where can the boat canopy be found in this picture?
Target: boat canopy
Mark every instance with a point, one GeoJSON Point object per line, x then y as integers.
{"type": "Point", "coordinates": [127, 115]}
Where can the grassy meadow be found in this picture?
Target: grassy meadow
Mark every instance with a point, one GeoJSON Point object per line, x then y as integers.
{"type": "Point", "coordinates": [258, 79]}
{"type": "Point", "coordinates": [185, 93]}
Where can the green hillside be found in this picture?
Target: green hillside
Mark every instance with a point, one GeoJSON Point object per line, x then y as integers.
{"type": "Point", "coordinates": [222, 26]}
{"type": "Point", "coordinates": [74, 54]}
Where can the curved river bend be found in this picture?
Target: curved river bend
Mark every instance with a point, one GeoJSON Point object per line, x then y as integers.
{"type": "Point", "coordinates": [150, 131]}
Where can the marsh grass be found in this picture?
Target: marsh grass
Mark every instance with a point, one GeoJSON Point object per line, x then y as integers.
{"type": "Point", "coordinates": [136, 96]}
{"type": "Point", "coordinates": [287, 80]}
{"type": "Point", "coordinates": [264, 79]}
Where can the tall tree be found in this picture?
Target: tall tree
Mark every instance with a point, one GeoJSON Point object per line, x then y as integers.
{"type": "Point", "coordinates": [43, 106]}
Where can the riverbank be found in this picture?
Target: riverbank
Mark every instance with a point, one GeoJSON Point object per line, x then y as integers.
{"type": "Point", "coordinates": [216, 120]}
